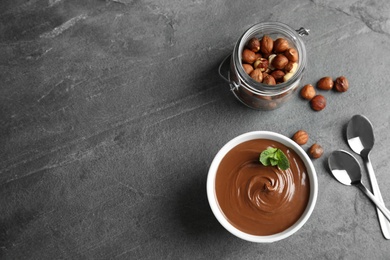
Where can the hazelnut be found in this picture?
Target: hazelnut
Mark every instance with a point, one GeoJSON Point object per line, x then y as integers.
{"type": "Point", "coordinates": [316, 151]}
{"type": "Point", "coordinates": [318, 102]}
{"type": "Point", "coordinates": [288, 76]}
{"type": "Point", "coordinates": [261, 64]}
{"type": "Point", "coordinates": [248, 56]}
{"type": "Point", "coordinates": [257, 75]}
{"type": "Point", "coordinates": [254, 44]}
{"type": "Point", "coordinates": [292, 68]}
{"type": "Point", "coordinates": [258, 56]}
{"type": "Point", "coordinates": [325, 83]}
{"type": "Point", "coordinates": [266, 45]}
{"type": "Point", "coordinates": [308, 92]}
{"type": "Point", "coordinates": [257, 62]}
{"type": "Point", "coordinates": [270, 59]}
{"type": "Point", "coordinates": [280, 45]}
{"type": "Point", "coordinates": [289, 66]}
{"type": "Point", "coordinates": [278, 75]}
{"type": "Point", "coordinates": [269, 80]}
{"type": "Point", "coordinates": [248, 68]}
{"type": "Point", "coordinates": [341, 84]}
{"type": "Point", "coordinates": [301, 137]}
{"type": "Point", "coordinates": [279, 62]}
{"type": "Point", "coordinates": [291, 54]}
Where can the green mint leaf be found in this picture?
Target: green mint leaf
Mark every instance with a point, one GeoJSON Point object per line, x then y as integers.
{"type": "Point", "coordinates": [273, 161]}
{"type": "Point", "coordinates": [274, 157]}
{"type": "Point", "coordinates": [266, 155]}
{"type": "Point", "coordinates": [283, 162]}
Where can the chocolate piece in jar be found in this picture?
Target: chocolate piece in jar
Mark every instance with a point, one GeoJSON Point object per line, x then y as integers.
{"type": "Point", "coordinates": [258, 199]}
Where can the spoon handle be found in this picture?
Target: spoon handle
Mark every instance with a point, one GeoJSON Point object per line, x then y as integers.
{"type": "Point", "coordinates": [384, 223]}
{"type": "Point", "coordinates": [380, 205]}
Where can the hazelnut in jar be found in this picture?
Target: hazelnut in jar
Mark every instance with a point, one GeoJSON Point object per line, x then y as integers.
{"type": "Point", "coordinates": [285, 52]}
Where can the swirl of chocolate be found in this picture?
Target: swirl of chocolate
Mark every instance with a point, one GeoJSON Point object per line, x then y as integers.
{"type": "Point", "coordinates": [258, 199]}
{"type": "Point", "coordinates": [269, 191]}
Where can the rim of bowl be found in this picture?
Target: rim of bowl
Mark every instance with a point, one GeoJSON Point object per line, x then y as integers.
{"type": "Point", "coordinates": [211, 186]}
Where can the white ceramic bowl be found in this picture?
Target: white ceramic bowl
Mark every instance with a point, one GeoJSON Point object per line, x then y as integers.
{"type": "Point", "coordinates": [213, 199]}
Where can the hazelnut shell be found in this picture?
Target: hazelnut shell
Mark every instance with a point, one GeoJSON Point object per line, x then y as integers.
{"type": "Point", "coordinates": [269, 80]}
{"type": "Point", "coordinates": [291, 54]}
{"type": "Point", "coordinates": [248, 68]}
{"type": "Point", "coordinates": [248, 56]}
{"type": "Point", "coordinates": [257, 75]}
{"type": "Point", "coordinates": [318, 103]}
{"type": "Point", "coordinates": [280, 45]}
{"type": "Point", "coordinates": [341, 84]}
{"type": "Point", "coordinates": [279, 62]}
{"type": "Point", "coordinates": [325, 83]}
{"type": "Point", "coordinates": [254, 44]}
{"type": "Point", "coordinates": [300, 137]}
{"type": "Point", "coordinates": [316, 151]}
{"type": "Point", "coordinates": [278, 75]}
{"type": "Point", "coordinates": [308, 92]}
{"type": "Point", "coordinates": [266, 45]}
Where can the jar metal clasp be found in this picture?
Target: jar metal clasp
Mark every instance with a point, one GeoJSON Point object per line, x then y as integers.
{"type": "Point", "coordinates": [233, 85]}
{"type": "Point", "coordinates": [303, 31]}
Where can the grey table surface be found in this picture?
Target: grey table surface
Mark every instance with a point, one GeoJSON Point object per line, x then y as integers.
{"type": "Point", "coordinates": [112, 111]}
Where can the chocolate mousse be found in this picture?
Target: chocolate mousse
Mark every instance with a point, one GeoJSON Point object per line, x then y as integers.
{"type": "Point", "coordinates": [258, 199]}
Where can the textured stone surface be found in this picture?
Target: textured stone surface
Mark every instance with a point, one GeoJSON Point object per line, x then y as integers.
{"type": "Point", "coordinates": [112, 111]}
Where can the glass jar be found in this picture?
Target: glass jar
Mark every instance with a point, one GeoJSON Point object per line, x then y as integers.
{"type": "Point", "coordinates": [258, 95]}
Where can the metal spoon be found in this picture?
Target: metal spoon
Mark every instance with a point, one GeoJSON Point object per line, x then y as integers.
{"type": "Point", "coordinates": [346, 169]}
{"type": "Point", "coordinates": [360, 137]}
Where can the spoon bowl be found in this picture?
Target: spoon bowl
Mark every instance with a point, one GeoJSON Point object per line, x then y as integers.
{"type": "Point", "coordinates": [344, 167]}
{"type": "Point", "coordinates": [360, 135]}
